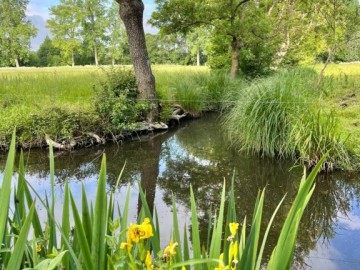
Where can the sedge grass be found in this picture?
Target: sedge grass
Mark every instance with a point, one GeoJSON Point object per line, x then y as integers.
{"type": "Point", "coordinates": [101, 251]}
{"type": "Point", "coordinates": [279, 116]}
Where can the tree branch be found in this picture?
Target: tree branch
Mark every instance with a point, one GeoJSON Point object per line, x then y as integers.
{"type": "Point", "coordinates": [239, 4]}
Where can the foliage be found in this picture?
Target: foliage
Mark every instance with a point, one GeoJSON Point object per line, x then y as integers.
{"type": "Point", "coordinates": [15, 32]}
{"type": "Point", "coordinates": [340, 19]}
{"type": "Point", "coordinates": [64, 25]}
{"type": "Point", "coordinates": [116, 101]}
{"type": "Point", "coordinates": [102, 239]}
{"type": "Point", "coordinates": [60, 124]}
{"type": "Point", "coordinates": [167, 49]}
{"type": "Point", "coordinates": [278, 116]}
{"type": "Point", "coordinates": [224, 18]}
{"type": "Point", "coordinates": [197, 41]}
{"type": "Point", "coordinates": [94, 23]}
{"type": "Point", "coordinates": [117, 37]}
{"type": "Point", "coordinates": [218, 51]}
{"type": "Point", "coordinates": [48, 54]}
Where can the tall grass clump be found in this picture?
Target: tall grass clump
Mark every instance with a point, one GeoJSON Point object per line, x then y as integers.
{"type": "Point", "coordinates": [103, 239]}
{"type": "Point", "coordinates": [279, 116]}
{"type": "Point", "coordinates": [196, 92]}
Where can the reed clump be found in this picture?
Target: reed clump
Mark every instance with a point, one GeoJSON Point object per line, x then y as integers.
{"type": "Point", "coordinates": [281, 116]}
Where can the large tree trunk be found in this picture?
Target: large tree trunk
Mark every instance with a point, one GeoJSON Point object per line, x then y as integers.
{"type": "Point", "coordinates": [17, 62]}
{"type": "Point", "coordinates": [131, 13]}
{"type": "Point", "coordinates": [235, 53]}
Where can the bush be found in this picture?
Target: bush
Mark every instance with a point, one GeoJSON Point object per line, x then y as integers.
{"type": "Point", "coordinates": [116, 101]}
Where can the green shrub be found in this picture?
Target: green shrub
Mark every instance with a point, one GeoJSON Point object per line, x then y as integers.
{"type": "Point", "coordinates": [116, 100]}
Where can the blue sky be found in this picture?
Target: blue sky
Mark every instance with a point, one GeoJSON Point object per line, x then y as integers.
{"type": "Point", "coordinates": [41, 7]}
{"type": "Point", "coordinates": [38, 13]}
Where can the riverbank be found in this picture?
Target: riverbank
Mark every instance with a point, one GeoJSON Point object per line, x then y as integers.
{"type": "Point", "coordinates": [62, 105]}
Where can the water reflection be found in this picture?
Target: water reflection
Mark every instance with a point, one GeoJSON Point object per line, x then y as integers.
{"type": "Point", "coordinates": [196, 154]}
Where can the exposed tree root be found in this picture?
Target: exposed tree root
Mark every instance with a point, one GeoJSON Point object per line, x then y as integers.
{"type": "Point", "coordinates": [60, 146]}
{"type": "Point", "coordinates": [178, 113]}
{"type": "Point", "coordinates": [98, 139]}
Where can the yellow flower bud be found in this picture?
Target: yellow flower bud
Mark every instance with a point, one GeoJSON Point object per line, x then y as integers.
{"type": "Point", "coordinates": [233, 228]}
{"type": "Point", "coordinates": [148, 261]}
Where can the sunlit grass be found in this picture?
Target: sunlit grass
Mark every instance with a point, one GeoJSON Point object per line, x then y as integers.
{"type": "Point", "coordinates": [344, 99]}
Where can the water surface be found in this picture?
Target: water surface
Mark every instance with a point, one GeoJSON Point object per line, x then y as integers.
{"type": "Point", "coordinates": [196, 154]}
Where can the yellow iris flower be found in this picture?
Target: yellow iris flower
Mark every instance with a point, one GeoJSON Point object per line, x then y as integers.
{"type": "Point", "coordinates": [139, 232]}
{"type": "Point", "coordinates": [169, 251]}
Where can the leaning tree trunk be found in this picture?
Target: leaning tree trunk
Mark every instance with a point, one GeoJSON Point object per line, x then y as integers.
{"type": "Point", "coordinates": [131, 13]}
{"type": "Point", "coordinates": [321, 75]}
{"type": "Point", "coordinates": [235, 53]}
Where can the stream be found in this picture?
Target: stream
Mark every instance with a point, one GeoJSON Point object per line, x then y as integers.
{"type": "Point", "coordinates": [196, 154]}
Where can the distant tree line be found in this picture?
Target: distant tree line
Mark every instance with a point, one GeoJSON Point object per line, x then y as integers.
{"type": "Point", "coordinates": [256, 35]}
{"type": "Point", "coordinates": [251, 36]}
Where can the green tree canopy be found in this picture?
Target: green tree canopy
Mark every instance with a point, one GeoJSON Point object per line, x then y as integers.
{"type": "Point", "coordinates": [65, 28]}
{"type": "Point", "coordinates": [116, 34]}
{"type": "Point", "coordinates": [94, 26]}
{"type": "Point", "coordinates": [15, 32]}
{"type": "Point", "coordinates": [241, 25]}
{"type": "Point", "coordinates": [48, 54]}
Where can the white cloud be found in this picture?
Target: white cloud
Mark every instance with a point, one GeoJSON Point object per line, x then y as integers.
{"type": "Point", "coordinates": [350, 222]}
{"type": "Point", "coordinates": [322, 257]}
{"type": "Point", "coordinates": [33, 10]}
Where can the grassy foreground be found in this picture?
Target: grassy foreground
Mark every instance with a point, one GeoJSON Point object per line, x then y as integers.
{"type": "Point", "coordinates": [103, 239]}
